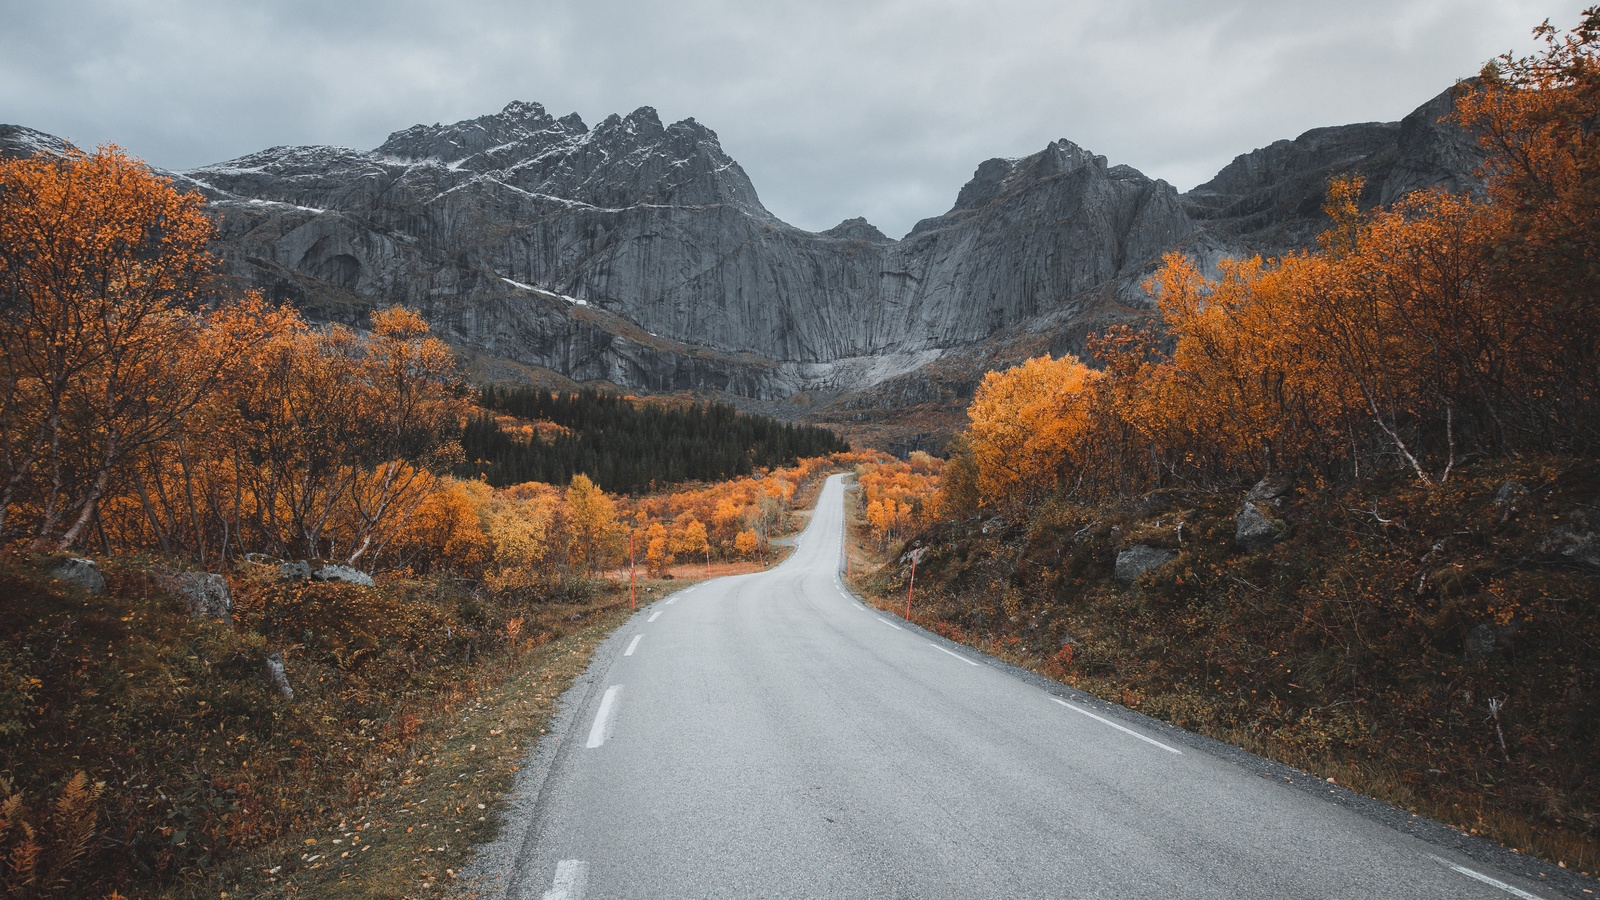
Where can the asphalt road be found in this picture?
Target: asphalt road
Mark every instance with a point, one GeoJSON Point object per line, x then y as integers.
{"type": "Point", "coordinates": [769, 736]}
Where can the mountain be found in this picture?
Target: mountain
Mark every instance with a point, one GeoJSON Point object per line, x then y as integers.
{"type": "Point", "coordinates": [1270, 200]}
{"type": "Point", "coordinates": [639, 253]}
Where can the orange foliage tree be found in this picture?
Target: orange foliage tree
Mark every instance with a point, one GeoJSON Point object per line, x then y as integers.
{"type": "Point", "coordinates": [99, 358]}
{"type": "Point", "coordinates": [1024, 422]}
{"type": "Point", "coordinates": [130, 415]}
{"type": "Point", "coordinates": [899, 496]}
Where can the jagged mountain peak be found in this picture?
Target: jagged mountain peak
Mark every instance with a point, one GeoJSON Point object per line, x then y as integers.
{"type": "Point", "coordinates": [999, 177]}
{"type": "Point", "coordinates": [858, 229]}
{"type": "Point", "coordinates": [520, 127]}
{"type": "Point", "coordinates": [1317, 149]}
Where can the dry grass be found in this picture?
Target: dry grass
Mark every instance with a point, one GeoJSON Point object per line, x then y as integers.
{"type": "Point", "coordinates": [412, 832]}
{"type": "Point", "coordinates": [412, 703]}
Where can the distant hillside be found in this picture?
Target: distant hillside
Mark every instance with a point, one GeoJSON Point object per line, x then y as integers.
{"type": "Point", "coordinates": [628, 445]}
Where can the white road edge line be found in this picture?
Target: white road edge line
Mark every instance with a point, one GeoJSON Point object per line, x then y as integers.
{"type": "Point", "coordinates": [1513, 891]}
{"type": "Point", "coordinates": [597, 732]}
{"type": "Point", "coordinates": [891, 625]}
{"type": "Point", "coordinates": [655, 615]}
{"type": "Point", "coordinates": [1104, 721]}
{"type": "Point", "coordinates": [632, 644]}
{"type": "Point", "coordinates": [572, 876]}
{"type": "Point", "coordinates": [673, 599]}
{"type": "Point", "coordinates": [943, 650]}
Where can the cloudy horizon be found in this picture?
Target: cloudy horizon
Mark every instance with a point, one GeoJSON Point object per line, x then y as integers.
{"type": "Point", "coordinates": [880, 109]}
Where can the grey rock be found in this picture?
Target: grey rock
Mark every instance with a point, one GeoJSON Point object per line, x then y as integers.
{"type": "Point", "coordinates": [278, 676]}
{"type": "Point", "coordinates": [333, 572]}
{"type": "Point", "coordinates": [1509, 495]}
{"type": "Point", "coordinates": [1485, 639]}
{"type": "Point", "coordinates": [1580, 548]}
{"type": "Point", "coordinates": [1481, 642]}
{"type": "Point", "coordinates": [301, 569]}
{"type": "Point", "coordinates": [1270, 488]}
{"type": "Point", "coordinates": [1254, 529]}
{"type": "Point", "coordinates": [204, 594]}
{"type": "Point", "coordinates": [82, 572]}
{"type": "Point", "coordinates": [1139, 559]}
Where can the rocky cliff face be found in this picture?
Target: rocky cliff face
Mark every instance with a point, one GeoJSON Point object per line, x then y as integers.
{"type": "Point", "coordinates": [500, 227]}
{"type": "Point", "coordinates": [1269, 200]}
{"type": "Point", "coordinates": [640, 253]}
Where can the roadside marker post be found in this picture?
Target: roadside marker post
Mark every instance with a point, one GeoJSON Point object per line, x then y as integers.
{"type": "Point", "coordinates": [912, 586]}
{"type": "Point", "coordinates": [633, 597]}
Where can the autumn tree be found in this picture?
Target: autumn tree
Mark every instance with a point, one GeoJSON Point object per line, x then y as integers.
{"type": "Point", "coordinates": [1024, 422]}
{"type": "Point", "coordinates": [746, 543]}
{"type": "Point", "coordinates": [658, 549]}
{"type": "Point", "coordinates": [1535, 116]}
{"type": "Point", "coordinates": [690, 537]}
{"type": "Point", "coordinates": [100, 261]}
{"type": "Point", "coordinates": [593, 518]}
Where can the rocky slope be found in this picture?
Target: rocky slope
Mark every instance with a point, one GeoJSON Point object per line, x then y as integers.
{"type": "Point", "coordinates": [640, 253]}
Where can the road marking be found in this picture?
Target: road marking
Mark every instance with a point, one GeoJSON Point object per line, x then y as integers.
{"type": "Point", "coordinates": [673, 599]}
{"type": "Point", "coordinates": [655, 615]}
{"type": "Point", "coordinates": [632, 644]}
{"type": "Point", "coordinates": [1515, 892]}
{"type": "Point", "coordinates": [572, 876]}
{"type": "Point", "coordinates": [893, 625]}
{"type": "Point", "coordinates": [1106, 721]}
{"type": "Point", "coordinates": [943, 650]}
{"type": "Point", "coordinates": [597, 733]}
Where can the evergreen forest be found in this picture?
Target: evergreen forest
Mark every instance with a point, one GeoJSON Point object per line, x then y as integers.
{"type": "Point", "coordinates": [626, 445]}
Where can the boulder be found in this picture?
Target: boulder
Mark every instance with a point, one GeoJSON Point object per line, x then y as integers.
{"type": "Point", "coordinates": [1485, 640]}
{"type": "Point", "coordinates": [1509, 494]}
{"type": "Point", "coordinates": [279, 677]}
{"type": "Point", "coordinates": [203, 593]}
{"type": "Point", "coordinates": [82, 572]}
{"type": "Point", "coordinates": [1139, 559]}
{"type": "Point", "coordinates": [1580, 548]}
{"type": "Point", "coordinates": [1270, 488]}
{"type": "Point", "coordinates": [300, 569]}
{"type": "Point", "coordinates": [331, 572]}
{"type": "Point", "coordinates": [1254, 529]}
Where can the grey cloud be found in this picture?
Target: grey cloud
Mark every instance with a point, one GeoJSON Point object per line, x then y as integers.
{"type": "Point", "coordinates": [879, 108]}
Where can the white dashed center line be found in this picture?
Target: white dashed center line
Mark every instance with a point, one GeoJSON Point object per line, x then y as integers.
{"type": "Point", "coordinates": [632, 644]}
{"type": "Point", "coordinates": [608, 703]}
{"type": "Point", "coordinates": [943, 650]}
{"type": "Point", "coordinates": [1104, 721]}
{"type": "Point", "coordinates": [572, 876]}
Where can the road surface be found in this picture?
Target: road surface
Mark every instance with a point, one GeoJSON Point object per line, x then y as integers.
{"type": "Point", "coordinates": [766, 736]}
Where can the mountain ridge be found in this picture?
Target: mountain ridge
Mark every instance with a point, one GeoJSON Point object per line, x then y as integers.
{"type": "Point", "coordinates": [639, 252]}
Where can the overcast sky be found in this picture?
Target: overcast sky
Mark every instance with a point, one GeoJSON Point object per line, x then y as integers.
{"type": "Point", "coordinates": [836, 108]}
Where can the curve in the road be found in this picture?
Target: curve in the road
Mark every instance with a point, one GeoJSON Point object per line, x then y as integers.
{"type": "Point", "coordinates": [767, 736]}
